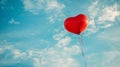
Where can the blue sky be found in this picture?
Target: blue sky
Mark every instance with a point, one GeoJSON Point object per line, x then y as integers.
{"type": "Point", "coordinates": [32, 33]}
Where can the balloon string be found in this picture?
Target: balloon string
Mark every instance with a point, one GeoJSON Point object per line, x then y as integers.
{"type": "Point", "coordinates": [82, 51]}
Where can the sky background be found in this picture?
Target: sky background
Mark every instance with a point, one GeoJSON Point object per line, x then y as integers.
{"type": "Point", "coordinates": [32, 33]}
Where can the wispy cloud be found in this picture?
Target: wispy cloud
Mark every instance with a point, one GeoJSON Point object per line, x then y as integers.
{"type": "Point", "coordinates": [12, 21]}
{"type": "Point", "coordinates": [48, 57]}
{"type": "Point", "coordinates": [62, 39]}
{"type": "Point", "coordinates": [112, 37]}
{"type": "Point", "coordinates": [52, 8]}
{"type": "Point", "coordinates": [60, 57]}
{"type": "Point", "coordinates": [102, 16]}
{"type": "Point", "coordinates": [104, 59]}
{"type": "Point", "coordinates": [10, 56]}
{"type": "Point", "coordinates": [52, 57]}
{"type": "Point", "coordinates": [109, 13]}
{"type": "Point", "coordinates": [63, 42]}
{"type": "Point", "coordinates": [33, 6]}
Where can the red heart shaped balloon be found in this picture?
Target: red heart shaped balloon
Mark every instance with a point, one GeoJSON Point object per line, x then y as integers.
{"type": "Point", "coordinates": [76, 24]}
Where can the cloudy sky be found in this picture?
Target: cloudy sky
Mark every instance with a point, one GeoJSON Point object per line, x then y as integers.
{"type": "Point", "coordinates": [32, 33]}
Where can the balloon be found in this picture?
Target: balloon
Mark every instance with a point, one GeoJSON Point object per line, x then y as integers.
{"type": "Point", "coordinates": [76, 24]}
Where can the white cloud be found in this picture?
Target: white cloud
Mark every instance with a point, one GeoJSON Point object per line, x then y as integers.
{"type": "Point", "coordinates": [62, 38]}
{"type": "Point", "coordinates": [48, 57]}
{"type": "Point", "coordinates": [93, 7]}
{"type": "Point", "coordinates": [106, 26]}
{"type": "Point", "coordinates": [72, 50]}
{"type": "Point", "coordinates": [37, 62]}
{"type": "Point", "coordinates": [54, 5]}
{"type": "Point", "coordinates": [12, 21]}
{"type": "Point", "coordinates": [7, 56]}
{"type": "Point", "coordinates": [62, 57]}
{"type": "Point", "coordinates": [33, 6]}
{"type": "Point", "coordinates": [111, 36]}
{"type": "Point", "coordinates": [109, 13]}
{"type": "Point", "coordinates": [51, 7]}
{"type": "Point", "coordinates": [44, 41]}
{"type": "Point", "coordinates": [63, 42]}
{"type": "Point", "coordinates": [102, 16]}
{"type": "Point", "coordinates": [104, 59]}
{"type": "Point", "coordinates": [59, 35]}
{"type": "Point", "coordinates": [52, 57]}
{"type": "Point", "coordinates": [15, 52]}
{"type": "Point", "coordinates": [18, 54]}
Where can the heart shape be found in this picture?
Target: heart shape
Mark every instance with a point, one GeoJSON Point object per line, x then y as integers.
{"type": "Point", "coordinates": [76, 24]}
